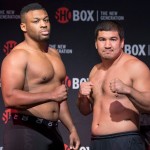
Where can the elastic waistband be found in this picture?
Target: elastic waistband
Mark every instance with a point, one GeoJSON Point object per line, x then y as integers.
{"type": "Point", "coordinates": [16, 117]}
{"type": "Point", "coordinates": [115, 135]}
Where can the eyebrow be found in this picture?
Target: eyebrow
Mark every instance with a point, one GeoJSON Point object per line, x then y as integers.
{"type": "Point", "coordinates": [40, 18]}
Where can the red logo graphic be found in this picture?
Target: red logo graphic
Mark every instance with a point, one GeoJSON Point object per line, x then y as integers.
{"type": "Point", "coordinates": [63, 15]}
{"type": "Point", "coordinates": [6, 115]}
{"type": "Point", "coordinates": [67, 82]}
{"type": "Point", "coordinates": [9, 45]}
{"type": "Point", "coordinates": [66, 147]}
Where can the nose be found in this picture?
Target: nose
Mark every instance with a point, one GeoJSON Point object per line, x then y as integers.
{"type": "Point", "coordinates": [43, 23]}
{"type": "Point", "coordinates": [107, 44]}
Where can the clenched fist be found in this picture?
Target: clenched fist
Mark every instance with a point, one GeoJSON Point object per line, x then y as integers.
{"type": "Point", "coordinates": [60, 93]}
{"type": "Point", "coordinates": [86, 88]}
{"type": "Point", "coordinates": [117, 86]}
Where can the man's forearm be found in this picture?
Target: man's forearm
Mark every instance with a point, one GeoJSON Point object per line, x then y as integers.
{"type": "Point", "coordinates": [84, 104]}
{"type": "Point", "coordinates": [141, 100]}
{"type": "Point", "coordinates": [65, 116]}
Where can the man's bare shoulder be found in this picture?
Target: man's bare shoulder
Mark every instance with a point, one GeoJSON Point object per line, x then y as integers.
{"type": "Point", "coordinates": [94, 69]}
{"type": "Point", "coordinates": [132, 61]}
{"type": "Point", "coordinates": [19, 49]}
{"type": "Point", "coordinates": [53, 51]}
{"type": "Point", "coordinates": [18, 53]}
{"type": "Point", "coordinates": [134, 65]}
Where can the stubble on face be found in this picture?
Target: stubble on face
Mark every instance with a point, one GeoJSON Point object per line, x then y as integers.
{"type": "Point", "coordinates": [109, 45]}
{"type": "Point", "coordinates": [38, 25]}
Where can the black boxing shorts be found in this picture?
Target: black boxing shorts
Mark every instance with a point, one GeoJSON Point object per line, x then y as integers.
{"type": "Point", "coordinates": [118, 141]}
{"type": "Point", "coordinates": [24, 132]}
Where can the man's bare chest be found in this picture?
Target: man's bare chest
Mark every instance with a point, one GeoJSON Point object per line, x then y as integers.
{"type": "Point", "coordinates": [44, 69]}
{"type": "Point", "coordinates": [102, 80]}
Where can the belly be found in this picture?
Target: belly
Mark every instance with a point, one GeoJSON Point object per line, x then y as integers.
{"type": "Point", "coordinates": [114, 117]}
{"type": "Point", "coordinates": [106, 127]}
{"type": "Point", "coordinates": [49, 111]}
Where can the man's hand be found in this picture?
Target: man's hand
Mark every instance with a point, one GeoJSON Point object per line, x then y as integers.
{"type": "Point", "coordinates": [74, 140]}
{"type": "Point", "coordinates": [60, 93]}
{"type": "Point", "coordinates": [117, 86]}
{"type": "Point", "coordinates": [86, 88]}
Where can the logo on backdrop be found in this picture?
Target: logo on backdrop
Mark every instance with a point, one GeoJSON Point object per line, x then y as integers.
{"type": "Point", "coordinates": [62, 48]}
{"type": "Point", "coordinates": [68, 82]}
{"type": "Point", "coordinates": [8, 14]}
{"type": "Point", "coordinates": [137, 49]}
{"type": "Point", "coordinates": [81, 148]}
{"type": "Point", "coordinates": [8, 46]}
{"type": "Point", "coordinates": [74, 83]}
{"type": "Point", "coordinates": [66, 147]}
{"type": "Point", "coordinates": [63, 15]}
{"type": "Point", "coordinates": [6, 115]}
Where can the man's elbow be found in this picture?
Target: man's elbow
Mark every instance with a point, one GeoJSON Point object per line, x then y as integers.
{"type": "Point", "coordinates": [8, 102]}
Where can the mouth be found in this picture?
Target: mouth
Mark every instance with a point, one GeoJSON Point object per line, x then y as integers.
{"type": "Point", "coordinates": [45, 32]}
{"type": "Point", "coordinates": [108, 51]}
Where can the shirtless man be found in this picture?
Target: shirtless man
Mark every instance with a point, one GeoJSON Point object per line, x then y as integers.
{"type": "Point", "coordinates": [117, 91]}
{"type": "Point", "coordinates": [33, 87]}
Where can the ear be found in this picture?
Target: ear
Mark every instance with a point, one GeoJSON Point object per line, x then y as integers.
{"type": "Point", "coordinates": [122, 43]}
{"type": "Point", "coordinates": [96, 45]}
{"type": "Point", "coordinates": [23, 27]}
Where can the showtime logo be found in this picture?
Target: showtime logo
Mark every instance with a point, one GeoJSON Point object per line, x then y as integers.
{"type": "Point", "coordinates": [64, 15]}
{"type": "Point", "coordinates": [81, 148]}
{"type": "Point", "coordinates": [74, 83]}
{"type": "Point", "coordinates": [136, 49]}
{"type": "Point", "coordinates": [8, 46]}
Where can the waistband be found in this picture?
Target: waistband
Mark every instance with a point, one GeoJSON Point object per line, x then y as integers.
{"type": "Point", "coordinates": [16, 117]}
{"type": "Point", "coordinates": [115, 135]}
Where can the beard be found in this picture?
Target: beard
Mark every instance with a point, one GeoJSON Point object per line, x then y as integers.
{"type": "Point", "coordinates": [38, 37]}
{"type": "Point", "coordinates": [44, 38]}
{"type": "Point", "coordinates": [41, 38]}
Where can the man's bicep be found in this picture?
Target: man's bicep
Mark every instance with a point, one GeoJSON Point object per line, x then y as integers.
{"type": "Point", "coordinates": [12, 75]}
{"type": "Point", "coordinates": [141, 81]}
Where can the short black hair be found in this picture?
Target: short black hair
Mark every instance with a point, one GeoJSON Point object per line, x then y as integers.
{"type": "Point", "coordinates": [110, 26]}
{"type": "Point", "coordinates": [30, 7]}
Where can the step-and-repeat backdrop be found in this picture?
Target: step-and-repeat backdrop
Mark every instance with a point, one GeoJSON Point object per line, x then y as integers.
{"type": "Point", "coordinates": [72, 33]}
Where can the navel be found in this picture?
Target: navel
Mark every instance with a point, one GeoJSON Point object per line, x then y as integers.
{"type": "Point", "coordinates": [44, 78]}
